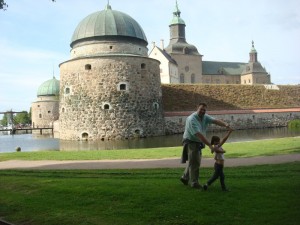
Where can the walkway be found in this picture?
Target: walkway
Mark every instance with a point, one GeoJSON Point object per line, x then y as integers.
{"type": "Point", "coordinates": [141, 164]}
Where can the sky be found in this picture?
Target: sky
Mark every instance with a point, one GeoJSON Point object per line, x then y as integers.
{"type": "Point", "coordinates": [35, 36]}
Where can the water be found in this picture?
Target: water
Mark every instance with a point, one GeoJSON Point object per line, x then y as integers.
{"type": "Point", "coordinates": [32, 142]}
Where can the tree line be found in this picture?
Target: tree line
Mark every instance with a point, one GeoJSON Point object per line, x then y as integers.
{"type": "Point", "coordinates": [18, 119]}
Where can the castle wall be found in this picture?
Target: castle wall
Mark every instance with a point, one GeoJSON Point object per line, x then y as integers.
{"type": "Point", "coordinates": [238, 119]}
{"type": "Point", "coordinates": [115, 97]}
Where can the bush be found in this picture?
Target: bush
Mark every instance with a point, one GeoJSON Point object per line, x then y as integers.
{"type": "Point", "coordinates": [294, 123]}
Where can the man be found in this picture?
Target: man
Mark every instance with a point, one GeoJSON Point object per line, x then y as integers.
{"type": "Point", "coordinates": [194, 139]}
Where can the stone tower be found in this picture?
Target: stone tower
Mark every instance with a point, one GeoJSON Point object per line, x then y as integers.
{"type": "Point", "coordinates": [45, 110]}
{"type": "Point", "coordinates": [110, 89]}
{"type": "Point", "coordinates": [186, 55]}
{"type": "Point", "coordinates": [254, 73]}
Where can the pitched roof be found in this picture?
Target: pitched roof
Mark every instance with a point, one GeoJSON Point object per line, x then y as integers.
{"type": "Point", "coordinates": [168, 57]}
{"type": "Point", "coordinates": [225, 68]}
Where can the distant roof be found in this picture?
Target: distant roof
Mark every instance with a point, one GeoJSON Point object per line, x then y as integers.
{"type": "Point", "coordinates": [49, 88]}
{"type": "Point", "coordinates": [107, 22]}
{"type": "Point", "coordinates": [219, 68]}
{"type": "Point", "coordinates": [167, 55]}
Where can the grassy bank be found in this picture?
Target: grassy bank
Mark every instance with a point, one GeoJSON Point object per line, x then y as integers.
{"type": "Point", "coordinates": [259, 195]}
{"type": "Point", "coordinates": [237, 149]}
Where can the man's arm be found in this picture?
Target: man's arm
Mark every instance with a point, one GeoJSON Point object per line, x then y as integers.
{"type": "Point", "coordinates": [204, 140]}
{"type": "Point", "coordinates": [220, 123]}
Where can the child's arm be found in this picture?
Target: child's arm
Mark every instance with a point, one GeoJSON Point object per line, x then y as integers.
{"type": "Point", "coordinates": [226, 137]}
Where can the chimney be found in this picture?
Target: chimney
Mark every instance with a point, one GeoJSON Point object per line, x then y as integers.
{"type": "Point", "coordinates": [153, 44]}
{"type": "Point", "coordinates": [162, 44]}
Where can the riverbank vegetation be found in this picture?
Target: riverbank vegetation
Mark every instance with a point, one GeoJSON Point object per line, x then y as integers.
{"type": "Point", "coordinates": [267, 194]}
{"type": "Point", "coordinates": [236, 149]}
{"type": "Point", "coordinates": [294, 124]}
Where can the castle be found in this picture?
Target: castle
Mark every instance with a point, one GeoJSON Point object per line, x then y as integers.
{"type": "Point", "coordinates": [111, 89]}
{"type": "Point", "coordinates": [182, 63]}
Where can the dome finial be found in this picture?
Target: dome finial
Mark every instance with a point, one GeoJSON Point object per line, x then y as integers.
{"type": "Point", "coordinates": [177, 11]}
{"type": "Point", "coordinates": [107, 6]}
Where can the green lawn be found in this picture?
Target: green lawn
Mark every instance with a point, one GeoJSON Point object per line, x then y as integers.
{"type": "Point", "coordinates": [238, 149]}
{"type": "Point", "coordinates": [260, 195]}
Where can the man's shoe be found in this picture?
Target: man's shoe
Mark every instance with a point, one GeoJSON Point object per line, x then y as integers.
{"type": "Point", "coordinates": [184, 181]}
{"type": "Point", "coordinates": [196, 186]}
{"type": "Point", "coordinates": [205, 186]}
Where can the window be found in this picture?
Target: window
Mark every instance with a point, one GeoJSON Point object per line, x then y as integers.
{"type": "Point", "coordinates": [110, 47]}
{"type": "Point", "coordinates": [63, 110]}
{"type": "Point", "coordinates": [40, 115]}
{"type": "Point", "coordinates": [122, 87]}
{"type": "Point", "coordinates": [67, 90]}
{"type": "Point", "coordinates": [155, 106]}
{"type": "Point", "coordinates": [49, 111]}
{"type": "Point", "coordinates": [106, 106]}
{"type": "Point", "coordinates": [181, 78]}
{"type": "Point", "coordinates": [85, 135]}
{"type": "Point", "coordinates": [143, 66]}
{"type": "Point", "coordinates": [88, 67]}
{"type": "Point", "coordinates": [193, 78]}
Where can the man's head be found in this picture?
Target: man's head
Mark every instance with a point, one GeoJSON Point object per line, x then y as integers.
{"type": "Point", "coordinates": [201, 109]}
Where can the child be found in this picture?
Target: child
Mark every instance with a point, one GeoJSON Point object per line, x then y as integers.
{"type": "Point", "coordinates": [219, 163]}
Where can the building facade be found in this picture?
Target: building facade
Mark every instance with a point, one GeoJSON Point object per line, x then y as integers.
{"type": "Point", "coordinates": [192, 69]}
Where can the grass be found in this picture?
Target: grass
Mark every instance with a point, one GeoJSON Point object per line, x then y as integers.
{"type": "Point", "coordinates": [260, 195]}
{"type": "Point", "coordinates": [237, 149]}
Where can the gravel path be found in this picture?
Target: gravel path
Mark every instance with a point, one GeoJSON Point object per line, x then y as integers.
{"type": "Point", "coordinates": [136, 164]}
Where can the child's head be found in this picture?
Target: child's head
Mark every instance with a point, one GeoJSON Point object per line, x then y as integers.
{"type": "Point", "coordinates": [215, 140]}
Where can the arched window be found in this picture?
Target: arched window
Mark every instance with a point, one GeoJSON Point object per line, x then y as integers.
{"type": "Point", "coordinates": [85, 135]}
{"type": "Point", "coordinates": [106, 106]}
{"type": "Point", "coordinates": [182, 78]}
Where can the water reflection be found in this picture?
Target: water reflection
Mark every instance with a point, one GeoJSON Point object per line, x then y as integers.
{"type": "Point", "coordinates": [175, 140]}
{"type": "Point", "coordinates": [30, 142]}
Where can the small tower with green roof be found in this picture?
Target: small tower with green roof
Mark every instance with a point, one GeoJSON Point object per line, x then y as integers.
{"type": "Point", "coordinates": [254, 72]}
{"type": "Point", "coordinates": [45, 110]}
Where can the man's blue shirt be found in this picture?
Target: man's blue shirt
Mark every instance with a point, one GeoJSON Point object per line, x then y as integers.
{"type": "Point", "coordinates": [194, 125]}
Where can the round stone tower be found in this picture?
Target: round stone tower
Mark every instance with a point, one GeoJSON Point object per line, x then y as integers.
{"type": "Point", "coordinates": [110, 89]}
{"type": "Point", "coordinates": [45, 110]}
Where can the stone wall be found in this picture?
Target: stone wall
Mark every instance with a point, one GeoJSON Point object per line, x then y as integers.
{"type": "Point", "coordinates": [238, 119]}
{"type": "Point", "coordinates": [115, 97]}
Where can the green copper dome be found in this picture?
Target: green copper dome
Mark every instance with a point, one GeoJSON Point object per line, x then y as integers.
{"type": "Point", "coordinates": [49, 88]}
{"type": "Point", "coordinates": [105, 23]}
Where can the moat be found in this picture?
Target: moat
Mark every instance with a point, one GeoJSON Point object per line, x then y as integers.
{"type": "Point", "coordinates": [31, 142]}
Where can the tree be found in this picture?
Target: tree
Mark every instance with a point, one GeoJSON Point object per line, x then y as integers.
{"type": "Point", "coordinates": [3, 4]}
{"type": "Point", "coordinates": [22, 118]}
{"type": "Point", "coordinates": [3, 122]}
